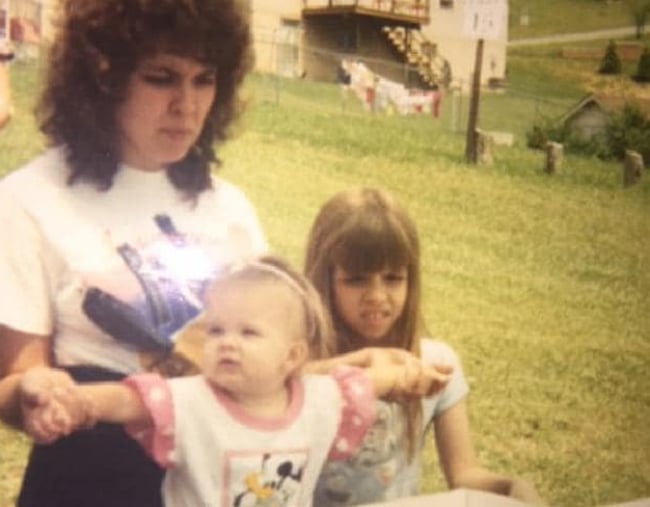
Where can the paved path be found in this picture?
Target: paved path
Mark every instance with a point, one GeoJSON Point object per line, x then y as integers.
{"type": "Point", "coordinates": [611, 33]}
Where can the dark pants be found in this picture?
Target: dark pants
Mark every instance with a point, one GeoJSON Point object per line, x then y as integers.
{"type": "Point", "coordinates": [102, 467]}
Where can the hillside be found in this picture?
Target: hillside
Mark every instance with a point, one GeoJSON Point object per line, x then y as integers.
{"type": "Point", "coordinates": [533, 18]}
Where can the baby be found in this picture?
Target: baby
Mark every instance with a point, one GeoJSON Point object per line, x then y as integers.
{"type": "Point", "coordinates": [251, 429]}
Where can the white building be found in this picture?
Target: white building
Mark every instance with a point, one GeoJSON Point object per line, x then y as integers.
{"type": "Point", "coordinates": [418, 42]}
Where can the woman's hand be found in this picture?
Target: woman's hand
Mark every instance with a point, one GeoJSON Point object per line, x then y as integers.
{"type": "Point", "coordinates": [52, 405]}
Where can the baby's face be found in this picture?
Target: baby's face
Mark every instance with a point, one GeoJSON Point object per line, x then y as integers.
{"type": "Point", "coordinates": [253, 340]}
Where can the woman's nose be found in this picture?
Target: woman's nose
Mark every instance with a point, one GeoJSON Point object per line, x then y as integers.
{"type": "Point", "coordinates": [184, 99]}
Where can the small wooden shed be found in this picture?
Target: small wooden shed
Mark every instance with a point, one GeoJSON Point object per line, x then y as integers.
{"type": "Point", "coordinates": [588, 117]}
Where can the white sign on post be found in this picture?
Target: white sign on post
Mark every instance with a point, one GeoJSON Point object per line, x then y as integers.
{"type": "Point", "coordinates": [484, 19]}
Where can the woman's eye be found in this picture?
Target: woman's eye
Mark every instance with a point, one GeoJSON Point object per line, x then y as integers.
{"type": "Point", "coordinates": [158, 79]}
{"type": "Point", "coordinates": [207, 79]}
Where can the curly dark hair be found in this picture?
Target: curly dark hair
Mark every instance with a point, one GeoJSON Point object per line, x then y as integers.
{"type": "Point", "coordinates": [98, 46]}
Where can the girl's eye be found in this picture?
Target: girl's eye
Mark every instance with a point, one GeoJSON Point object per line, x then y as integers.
{"type": "Point", "coordinates": [354, 281]}
{"type": "Point", "coordinates": [394, 278]}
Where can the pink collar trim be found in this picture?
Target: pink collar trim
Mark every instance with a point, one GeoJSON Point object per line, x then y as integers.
{"type": "Point", "coordinates": [296, 401]}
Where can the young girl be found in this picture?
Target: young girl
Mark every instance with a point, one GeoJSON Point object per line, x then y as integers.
{"type": "Point", "coordinates": [250, 428]}
{"type": "Point", "coordinates": [363, 256]}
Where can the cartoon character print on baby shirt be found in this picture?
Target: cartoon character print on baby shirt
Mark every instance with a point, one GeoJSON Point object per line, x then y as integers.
{"type": "Point", "coordinates": [369, 474]}
{"type": "Point", "coordinates": [156, 318]}
{"type": "Point", "coordinates": [275, 482]}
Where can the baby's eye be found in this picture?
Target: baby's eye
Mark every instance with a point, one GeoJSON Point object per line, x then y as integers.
{"type": "Point", "coordinates": [215, 331]}
{"type": "Point", "coordinates": [249, 332]}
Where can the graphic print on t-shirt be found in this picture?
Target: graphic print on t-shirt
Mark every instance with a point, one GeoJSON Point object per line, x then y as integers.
{"type": "Point", "coordinates": [263, 479]}
{"type": "Point", "coordinates": [369, 473]}
{"type": "Point", "coordinates": [171, 273]}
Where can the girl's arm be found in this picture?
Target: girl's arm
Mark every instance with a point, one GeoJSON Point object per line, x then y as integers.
{"type": "Point", "coordinates": [5, 89]}
{"type": "Point", "coordinates": [460, 464]}
{"type": "Point", "coordinates": [395, 373]}
{"type": "Point", "coordinates": [360, 358]}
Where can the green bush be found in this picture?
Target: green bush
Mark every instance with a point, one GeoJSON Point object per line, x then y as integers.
{"type": "Point", "coordinates": [643, 68]}
{"type": "Point", "coordinates": [629, 130]}
{"type": "Point", "coordinates": [611, 63]}
{"type": "Point", "coordinates": [545, 130]}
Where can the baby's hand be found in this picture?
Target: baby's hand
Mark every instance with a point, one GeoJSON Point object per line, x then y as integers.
{"type": "Point", "coordinates": [52, 405]}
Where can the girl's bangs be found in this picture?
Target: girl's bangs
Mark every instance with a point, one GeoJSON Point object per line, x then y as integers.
{"type": "Point", "coordinates": [372, 246]}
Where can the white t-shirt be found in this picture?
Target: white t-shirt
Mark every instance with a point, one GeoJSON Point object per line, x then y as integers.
{"type": "Point", "coordinates": [380, 470]}
{"type": "Point", "coordinates": [61, 240]}
{"type": "Point", "coordinates": [216, 454]}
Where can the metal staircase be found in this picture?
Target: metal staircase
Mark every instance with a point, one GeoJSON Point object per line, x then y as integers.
{"type": "Point", "coordinates": [421, 53]}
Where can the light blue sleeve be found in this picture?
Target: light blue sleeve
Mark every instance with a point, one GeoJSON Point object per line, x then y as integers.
{"type": "Point", "coordinates": [438, 352]}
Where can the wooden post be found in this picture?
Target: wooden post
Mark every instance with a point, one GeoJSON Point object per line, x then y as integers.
{"type": "Point", "coordinates": [632, 168]}
{"type": "Point", "coordinates": [484, 145]}
{"type": "Point", "coordinates": [471, 155]}
{"type": "Point", "coordinates": [554, 156]}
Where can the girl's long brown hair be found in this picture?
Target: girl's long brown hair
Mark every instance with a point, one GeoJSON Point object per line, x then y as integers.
{"type": "Point", "coordinates": [364, 230]}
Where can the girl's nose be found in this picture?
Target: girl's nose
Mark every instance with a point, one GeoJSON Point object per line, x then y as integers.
{"type": "Point", "coordinates": [376, 291]}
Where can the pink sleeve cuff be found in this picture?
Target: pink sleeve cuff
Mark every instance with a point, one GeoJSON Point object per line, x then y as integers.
{"type": "Point", "coordinates": [157, 439]}
{"type": "Point", "coordinates": [358, 410]}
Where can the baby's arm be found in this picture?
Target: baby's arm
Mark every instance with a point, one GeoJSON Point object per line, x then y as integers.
{"type": "Point", "coordinates": [67, 407]}
{"type": "Point", "coordinates": [116, 402]}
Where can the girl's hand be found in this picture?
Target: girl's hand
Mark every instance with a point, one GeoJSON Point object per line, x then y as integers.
{"type": "Point", "coordinates": [417, 380]}
{"type": "Point", "coordinates": [52, 405]}
{"type": "Point", "coordinates": [401, 374]}
{"type": "Point", "coordinates": [396, 382]}
{"type": "Point", "coordinates": [525, 491]}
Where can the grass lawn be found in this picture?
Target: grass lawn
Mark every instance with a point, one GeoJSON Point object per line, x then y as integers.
{"type": "Point", "coordinates": [540, 283]}
{"type": "Point", "coordinates": [535, 18]}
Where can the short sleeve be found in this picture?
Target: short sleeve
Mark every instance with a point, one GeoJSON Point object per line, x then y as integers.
{"type": "Point", "coordinates": [25, 291]}
{"type": "Point", "coordinates": [438, 352]}
{"type": "Point", "coordinates": [157, 439]}
{"type": "Point", "coordinates": [358, 410]}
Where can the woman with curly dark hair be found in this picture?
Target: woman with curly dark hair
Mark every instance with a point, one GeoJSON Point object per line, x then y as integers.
{"type": "Point", "coordinates": [110, 233]}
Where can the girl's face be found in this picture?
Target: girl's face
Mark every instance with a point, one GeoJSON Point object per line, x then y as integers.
{"type": "Point", "coordinates": [369, 304]}
{"type": "Point", "coordinates": [167, 100]}
{"type": "Point", "coordinates": [255, 338]}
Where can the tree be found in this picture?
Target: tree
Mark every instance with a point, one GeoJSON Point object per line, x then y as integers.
{"type": "Point", "coordinates": [643, 68]}
{"type": "Point", "coordinates": [611, 63]}
{"type": "Point", "coordinates": [640, 11]}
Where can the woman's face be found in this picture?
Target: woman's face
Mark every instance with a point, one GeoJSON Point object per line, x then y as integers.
{"type": "Point", "coordinates": [369, 304]}
{"type": "Point", "coordinates": [167, 100]}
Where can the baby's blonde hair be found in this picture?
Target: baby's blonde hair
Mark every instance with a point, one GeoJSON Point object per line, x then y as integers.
{"type": "Point", "coordinates": [318, 328]}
